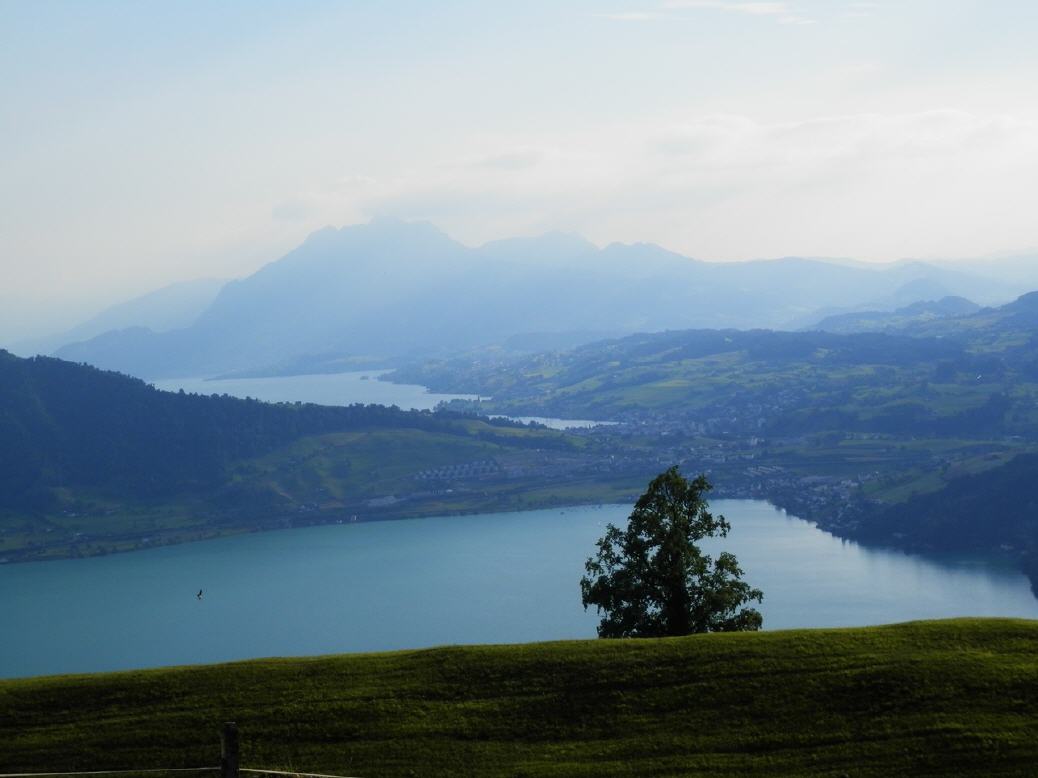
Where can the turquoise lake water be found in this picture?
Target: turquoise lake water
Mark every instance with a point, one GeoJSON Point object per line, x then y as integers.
{"type": "Point", "coordinates": [494, 578]}
{"type": "Point", "coordinates": [360, 386]}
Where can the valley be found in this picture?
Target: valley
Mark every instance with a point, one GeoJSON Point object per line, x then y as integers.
{"type": "Point", "coordinates": [644, 388]}
{"type": "Point", "coordinates": [840, 429]}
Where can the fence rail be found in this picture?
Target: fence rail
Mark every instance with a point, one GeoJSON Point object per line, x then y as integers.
{"type": "Point", "coordinates": [228, 767]}
{"type": "Point", "coordinates": [119, 772]}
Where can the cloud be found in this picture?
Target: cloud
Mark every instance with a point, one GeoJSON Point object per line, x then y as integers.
{"type": "Point", "coordinates": [293, 209]}
{"type": "Point", "coordinates": [670, 10]}
{"type": "Point", "coordinates": [515, 159]}
{"type": "Point", "coordinates": [317, 205]}
{"type": "Point", "coordinates": [861, 10]}
{"type": "Point", "coordinates": [750, 8]}
{"type": "Point", "coordinates": [879, 186]}
{"type": "Point", "coordinates": [634, 16]}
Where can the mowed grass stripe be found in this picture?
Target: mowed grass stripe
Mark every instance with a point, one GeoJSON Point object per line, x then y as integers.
{"type": "Point", "coordinates": [928, 698]}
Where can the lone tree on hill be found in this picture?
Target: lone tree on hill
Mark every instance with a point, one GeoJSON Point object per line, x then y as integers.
{"type": "Point", "coordinates": [652, 580]}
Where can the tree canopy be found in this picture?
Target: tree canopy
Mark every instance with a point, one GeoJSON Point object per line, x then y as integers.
{"type": "Point", "coordinates": [652, 580]}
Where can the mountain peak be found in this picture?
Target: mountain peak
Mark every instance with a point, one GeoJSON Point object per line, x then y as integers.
{"type": "Point", "coordinates": [641, 251]}
{"type": "Point", "coordinates": [1025, 302]}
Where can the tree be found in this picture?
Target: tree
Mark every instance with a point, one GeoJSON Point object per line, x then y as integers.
{"type": "Point", "coordinates": [652, 580]}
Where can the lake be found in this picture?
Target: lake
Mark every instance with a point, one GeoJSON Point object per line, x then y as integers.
{"type": "Point", "coordinates": [360, 386]}
{"type": "Point", "coordinates": [508, 577]}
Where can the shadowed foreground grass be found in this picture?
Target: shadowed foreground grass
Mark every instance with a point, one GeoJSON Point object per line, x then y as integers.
{"type": "Point", "coordinates": [927, 698]}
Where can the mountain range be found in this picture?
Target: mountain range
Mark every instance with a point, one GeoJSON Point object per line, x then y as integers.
{"type": "Point", "coordinates": [390, 290]}
{"type": "Point", "coordinates": [170, 308]}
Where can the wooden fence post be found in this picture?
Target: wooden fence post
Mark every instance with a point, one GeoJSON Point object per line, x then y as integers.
{"type": "Point", "coordinates": [229, 750]}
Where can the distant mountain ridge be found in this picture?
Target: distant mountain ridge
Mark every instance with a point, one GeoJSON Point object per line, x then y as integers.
{"type": "Point", "coordinates": [392, 289]}
{"type": "Point", "coordinates": [876, 382]}
{"type": "Point", "coordinates": [909, 315]}
{"type": "Point", "coordinates": [997, 328]}
{"type": "Point", "coordinates": [172, 307]}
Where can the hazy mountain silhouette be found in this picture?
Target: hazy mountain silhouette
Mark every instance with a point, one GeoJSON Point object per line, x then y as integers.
{"type": "Point", "coordinates": [391, 289]}
{"type": "Point", "coordinates": [1020, 270]}
{"type": "Point", "coordinates": [172, 307]}
{"type": "Point", "coordinates": [902, 318]}
{"type": "Point", "coordinates": [1008, 327]}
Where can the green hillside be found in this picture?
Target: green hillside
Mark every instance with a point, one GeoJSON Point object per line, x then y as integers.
{"type": "Point", "coordinates": [994, 509]}
{"type": "Point", "coordinates": [928, 698]}
{"type": "Point", "coordinates": [768, 383]}
{"type": "Point", "coordinates": [952, 376]}
{"type": "Point", "coordinates": [68, 426]}
{"type": "Point", "coordinates": [93, 462]}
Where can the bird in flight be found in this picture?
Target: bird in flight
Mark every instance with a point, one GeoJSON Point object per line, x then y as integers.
{"type": "Point", "coordinates": [199, 595]}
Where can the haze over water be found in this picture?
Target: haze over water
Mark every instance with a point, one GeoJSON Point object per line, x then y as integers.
{"type": "Point", "coordinates": [359, 386]}
{"type": "Point", "coordinates": [496, 578]}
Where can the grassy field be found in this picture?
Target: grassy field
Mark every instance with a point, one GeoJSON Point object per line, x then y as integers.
{"type": "Point", "coordinates": [930, 698]}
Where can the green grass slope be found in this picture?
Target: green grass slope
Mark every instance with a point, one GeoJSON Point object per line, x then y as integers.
{"type": "Point", "coordinates": [929, 698]}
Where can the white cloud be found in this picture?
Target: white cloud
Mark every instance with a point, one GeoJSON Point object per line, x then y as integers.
{"type": "Point", "coordinates": [634, 16]}
{"type": "Point", "coordinates": [670, 10]}
{"type": "Point", "coordinates": [751, 8]}
{"type": "Point", "coordinates": [880, 186]}
{"type": "Point", "coordinates": [511, 159]}
{"type": "Point", "coordinates": [293, 209]}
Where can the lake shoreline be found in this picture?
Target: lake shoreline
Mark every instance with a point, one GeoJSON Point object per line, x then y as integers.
{"type": "Point", "coordinates": [293, 521]}
{"type": "Point", "coordinates": [501, 577]}
{"type": "Point", "coordinates": [286, 522]}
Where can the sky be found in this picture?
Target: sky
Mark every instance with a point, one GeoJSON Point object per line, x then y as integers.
{"type": "Point", "coordinates": [144, 143]}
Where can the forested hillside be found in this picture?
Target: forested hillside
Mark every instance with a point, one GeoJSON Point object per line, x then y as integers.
{"type": "Point", "coordinates": [64, 424]}
{"type": "Point", "coordinates": [94, 461]}
{"type": "Point", "coordinates": [992, 510]}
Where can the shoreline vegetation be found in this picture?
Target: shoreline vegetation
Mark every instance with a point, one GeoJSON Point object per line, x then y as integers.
{"type": "Point", "coordinates": [921, 698]}
{"type": "Point", "coordinates": [181, 528]}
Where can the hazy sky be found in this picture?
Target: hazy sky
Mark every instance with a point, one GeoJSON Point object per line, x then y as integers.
{"type": "Point", "coordinates": [143, 143]}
